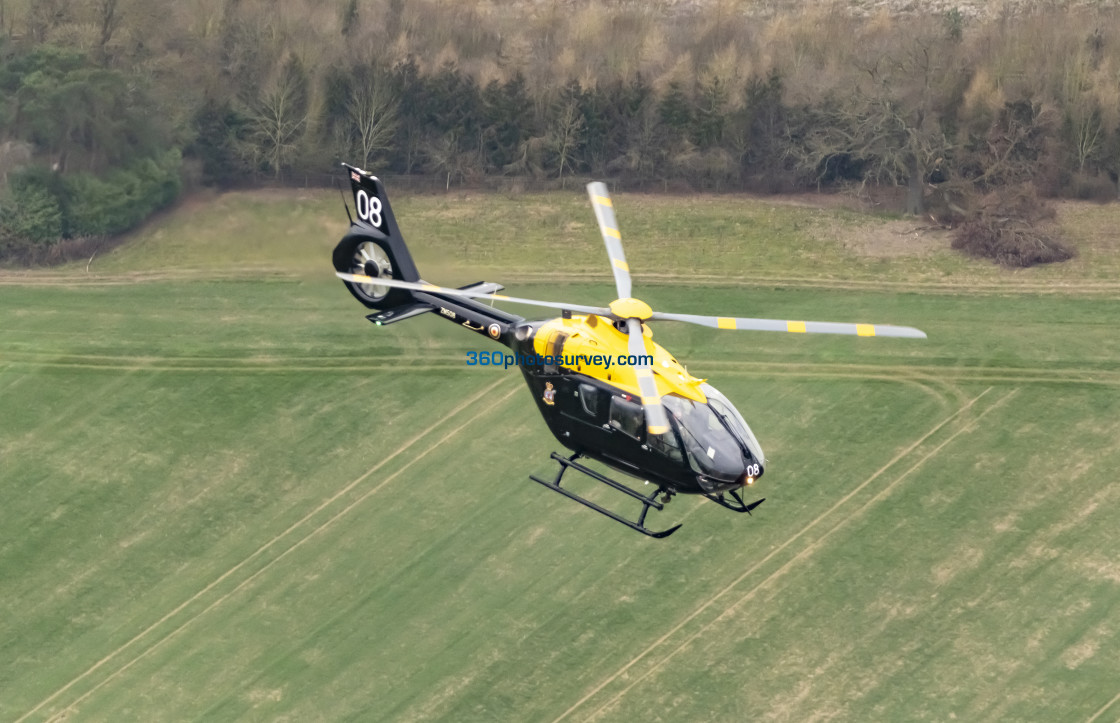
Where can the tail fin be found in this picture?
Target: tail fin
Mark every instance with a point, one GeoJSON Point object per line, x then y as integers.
{"type": "Point", "coordinates": [374, 246]}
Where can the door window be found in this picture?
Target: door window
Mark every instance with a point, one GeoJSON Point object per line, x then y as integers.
{"type": "Point", "coordinates": [627, 417]}
{"type": "Point", "coordinates": [589, 398]}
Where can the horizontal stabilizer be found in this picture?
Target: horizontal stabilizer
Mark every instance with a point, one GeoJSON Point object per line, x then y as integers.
{"type": "Point", "coordinates": [400, 313]}
{"type": "Point", "coordinates": [483, 287]}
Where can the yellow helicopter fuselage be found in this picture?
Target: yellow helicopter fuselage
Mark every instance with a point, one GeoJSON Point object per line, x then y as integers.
{"type": "Point", "coordinates": [599, 350]}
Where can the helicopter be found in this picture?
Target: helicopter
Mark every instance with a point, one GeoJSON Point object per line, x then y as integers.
{"type": "Point", "coordinates": [606, 390]}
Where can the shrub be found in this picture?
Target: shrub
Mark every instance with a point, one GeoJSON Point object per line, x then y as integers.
{"type": "Point", "coordinates": [1088, 187]}
{"type": "Point", "coordinates": [44, 208]}
{"type": "Point", "coordinates": [124, 198]}
{"type": "Point", "coordinates": [1011, 228]}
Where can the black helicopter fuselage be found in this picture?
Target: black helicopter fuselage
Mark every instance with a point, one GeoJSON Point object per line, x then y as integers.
{"type": "Point", "coordinates": [580, 418]}
{"type": "Point", "coordinates": [596, 419]}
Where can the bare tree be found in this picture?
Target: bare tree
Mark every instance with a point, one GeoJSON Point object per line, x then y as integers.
{"type": "Point", "coordinates": [46, 15]}
{"type": "Point", "coordinates": [888, 121]}
{"type": "Point", "coordinates": [372, 111]}
{"type": "Point", "coordinates": [108, 20]}
{"type": "Point", "coordinates": [646, 149]}
{"type": "Point", "coordinates": [1091, 104]}
{"type": "Point", "coordinates": [279, 117]}
{"type": "Point", "coordinates": [565, 136]}
{"type": "Point", "coordinates": [445, 156]}
{"type": "Point", "coordinates": [1015, 145]}
{"type": "Point", "coordinates": [13, 155]}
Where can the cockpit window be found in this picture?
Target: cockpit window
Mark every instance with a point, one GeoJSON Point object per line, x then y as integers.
{"type": "Point", "coordinates": [667, 444]}
{"type": "Point", "coordinates": [720, 404]}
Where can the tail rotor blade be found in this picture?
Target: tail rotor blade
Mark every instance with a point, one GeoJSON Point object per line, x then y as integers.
{"type": "Point", "coordinates": [608, 227]}
{"type": "Point", "coordinates": [657, 422]}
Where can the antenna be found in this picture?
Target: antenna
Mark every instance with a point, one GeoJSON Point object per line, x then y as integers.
{"type": "Point", "coordinates": [345, 205]}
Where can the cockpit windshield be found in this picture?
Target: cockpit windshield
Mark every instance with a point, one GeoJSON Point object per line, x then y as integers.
{"type": "Point", "coordinates": [712, 449]}
{"type": "Point", "coordinates": [735, 421]}
{"type": "Point", "coordinates": [715, 437]}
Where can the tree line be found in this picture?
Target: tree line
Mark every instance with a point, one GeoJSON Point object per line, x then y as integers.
{"type": "Point", "coordinates": [107, 106]}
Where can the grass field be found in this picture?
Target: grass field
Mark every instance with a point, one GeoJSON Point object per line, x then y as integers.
{"type": "Point", "coordinates": [228, 497]}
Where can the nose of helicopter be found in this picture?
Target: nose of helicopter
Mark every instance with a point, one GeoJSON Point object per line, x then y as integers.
{"type": "Point", "coordinates": [752, 470]}
{"type": "Point", "coordinates": [730, 476]}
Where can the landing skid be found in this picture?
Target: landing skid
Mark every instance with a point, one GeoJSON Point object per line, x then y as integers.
{"type": "Point", "coordinates": [647, 502]}
{"type": "Point", "coordinates": [737, 505]}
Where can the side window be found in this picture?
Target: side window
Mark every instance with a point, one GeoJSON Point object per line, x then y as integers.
{"type": "Point", "coordinates": [667, 445]}
{"type": "Point", "coordinates": [627, 417]}
{"type": "Point", "coordinates": [555, 348]}
{"type": "Point", "coordinates": [589, 396]}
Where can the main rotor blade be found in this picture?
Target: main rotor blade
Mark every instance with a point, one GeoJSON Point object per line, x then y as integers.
{"type": "Point", "coordinates": [797, 327]}
{"type": "Point", "coordinates": [608, 226]}
{"type": "Point", "coordinates": [419, 286]}
{"type": "Point", "coordinates": [657, 422]}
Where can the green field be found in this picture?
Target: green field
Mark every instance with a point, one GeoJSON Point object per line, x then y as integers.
{"type": "Point", "coordinates": [226, 496]}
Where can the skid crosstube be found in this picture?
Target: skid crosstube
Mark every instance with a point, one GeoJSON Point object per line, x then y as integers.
{"type": "Point", "coordinates": [647, 502]}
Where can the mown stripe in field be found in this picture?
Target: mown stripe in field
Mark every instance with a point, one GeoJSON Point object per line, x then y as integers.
{"type": "Point", "coordinates": [973, 287]}
{"type": "Point", "coordinates": [1104, 709]}
{"type": "Point", "coordinates": [458, 361]}
{"type": "Point", "coordinates": [10, 278]}
{"type": "Point", "coordinates": [470, 403]}
{"type": "Point", "coordinates": [811, 547]}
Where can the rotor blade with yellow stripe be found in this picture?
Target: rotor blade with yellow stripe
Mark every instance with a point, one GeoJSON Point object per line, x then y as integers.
{"type": "Point", "coordinates": [421, 286]}
{"type": "Point", "coordinates": [608, 226]}
{"type": "Point", "coordinates": [796, 327]}
{"type": "Point", "coordinates": [657, 422]}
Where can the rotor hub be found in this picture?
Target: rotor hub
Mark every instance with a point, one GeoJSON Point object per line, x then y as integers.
{"type": "Point", "coordinates": [631, 309]}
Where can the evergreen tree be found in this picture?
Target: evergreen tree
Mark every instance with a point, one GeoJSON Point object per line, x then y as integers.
{"type": "Point", "coordinates": [30, 213]}
{"type": "Point", "coordinates": [675, 110]}
{"type": "Point", "coordinates": [85, 117]}
{"type": "Point", "coordinates": [507, 115]}
{"type": "Point", "coordinates": [412, 90]}
{"type": "Point", "coordinates": [712, 110]}
{"type": "Point", "coordinates": [219, 129]}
